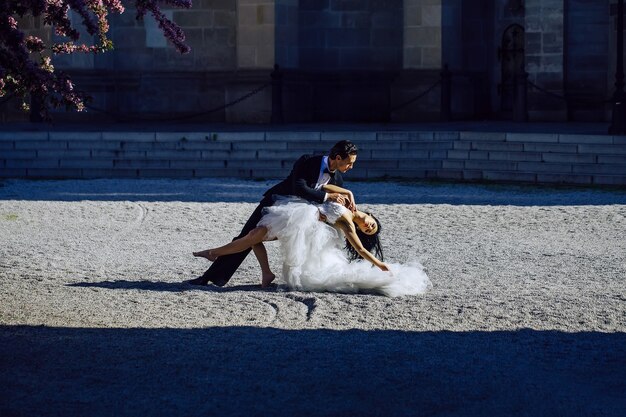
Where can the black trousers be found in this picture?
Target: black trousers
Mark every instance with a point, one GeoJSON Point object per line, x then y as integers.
{"type": "Point", "coordinates": [225, 266]}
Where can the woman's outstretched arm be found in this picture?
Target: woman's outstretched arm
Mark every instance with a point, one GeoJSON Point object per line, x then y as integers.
{"type": "Point", "coordinates": [348, 229]}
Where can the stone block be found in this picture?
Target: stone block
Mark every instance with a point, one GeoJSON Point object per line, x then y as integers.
{"type": "Point", "coordinates": [515, 156]}
{"type": "Point", "coordinates": [12, 173]}
{"type": "Point", "coordinates": [117, 154]}
{"type": "Point", "coordinates": [58, 173]}
{"type": "Point", "coordinates": [564, 178]}
{"type": "Point", "coordinates": [7, 146]}
{"type": "Point", "coordinates": [396, 173]}
{"type": "Point", "coordinates": [267, 173]}
{"type": "Point", "coordinates": [171, 155]}
{"type": "Point", "coordinates": [549, 147]}
{"type": "Point", "coordinates": [462, 146]}
{"type": "Point", "coordinates": [386, 38]}
{"type": "Point", "coordinates": [392, 136]}
{"type": "Point", "coordinates": [348, 5]}
{"type": "Point", "coordinates": [428, 145]}
{"type": "Point", "coordinates": [165, 173]}
{"type": "Point", "coordinates": [227, 155]}
{"type": "Point", "coordinates": [481, 136]}
{"type": "Point", "coordinates": [437, 154]}
{"type": "Point", "coordinates": [309, 147]}
{"type": "Point", "coordinates": [31, 163]}
{"type": "Point", "coordinates": [273, 154]}
{"type": "Point", "coordinates": [612, 159]}
{"type": "Point", "coordinates": [619, 140]}
{"type": "Point", "coordinates": [17, 154]}
{"type": "Point", "coordinates": [544, 167]}
{"type": "Point", "coordinates": [256, 164]}
{"type": "Point", "coordinates": [292, 136]}
{"type": "Point", "coordinates": [257, 145]}
{"type": "Point", "coordinates": [89, 137]}
{"type": "Point", "coordinates": [355, 137]}
{"type": "Point", "coordinates": [108, 173]}
{"type": "Point", "coordinates": [223, 173]}
{"type": "Point", "coordinates": [478, 155]}
{"type": "Point", "coordinates": [93, 145]}
{"type": "Point", "coordinates": [420, 164]}
{"type": "Point", "coordinates": [476, 164]}
{"type": "Point", "coordinates": [194, 164]}
{"type": "Point", "coordinates": [58, 154]}
{"type": "Point", "coordinates": [569, 158]}
{"type": "Point", "coordinates": [448, 164]}
{"type": "Point", "coordinates": [140, 163]}
{"type": "Point", "coordinates": [617, 180]}
{"type": "Point", "coordinates": [86, 163]}
{"type": "Point", "coordinates": [228, 19]}
{"type": "Point", "coordinates": [314, 4]}
{"type": "Point", "coordinates": [129, 136]}
{"type": "Point", "coordinates": [446, 136]}
{"type": "Point", "coordinates": [239, 136]}
{"type": "Point", "coordinates": [23, 136]}
{"type": "Point", "coordinates": [457, 154]}
{"type": "Point", "coordinates": [445, 174]}
{"type": "Point", "coordinates": [471, 175]}
{"type": "Point", "coordinates": [586, 139]}
{"type": "Point", "coordinates": [495, 146]}
{"type": "Point", "coordinates": [599, 169]}
{"type": "Point", "coordinates": [603, 149]}
{"type": "Point", "coordinates": [532, 137]}
{"type": "Point", "coordinates": [206, 146]}
{"type": "Point", "coordinates": [524, 177]}
{"type": "Point", "coordinates": [183, 136]}
{"type": "Point", "coordinates": [421, 136]}
{"type": "Point", "coordinates": [40, 145]}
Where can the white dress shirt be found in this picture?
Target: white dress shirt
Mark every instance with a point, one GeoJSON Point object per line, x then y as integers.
{"type": "Point", "coordinates": [324, 177]}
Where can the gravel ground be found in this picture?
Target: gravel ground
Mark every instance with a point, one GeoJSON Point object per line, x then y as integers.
{"type": "Point", "coordinates": [526, 316]}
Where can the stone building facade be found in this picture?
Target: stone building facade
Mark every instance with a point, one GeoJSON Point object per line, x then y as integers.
{"type": "Point", "coordinates": [353, 60]}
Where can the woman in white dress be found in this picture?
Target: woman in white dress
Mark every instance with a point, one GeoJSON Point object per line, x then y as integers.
{"type": "Point", "coordinates": [312, 249]}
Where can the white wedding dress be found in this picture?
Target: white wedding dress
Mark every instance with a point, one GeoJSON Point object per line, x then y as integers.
{"type": "Point", "coordinates": [314, 259]}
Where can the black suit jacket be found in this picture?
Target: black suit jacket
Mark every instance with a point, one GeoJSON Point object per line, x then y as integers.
{"type": "Point", "coordinates": [303, 178]}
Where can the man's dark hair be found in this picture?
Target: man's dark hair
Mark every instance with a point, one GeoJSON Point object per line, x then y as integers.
{"type": "Point", "coordinates": [343, 149]}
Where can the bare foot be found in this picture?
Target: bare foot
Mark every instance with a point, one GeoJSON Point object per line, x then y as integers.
{"type": "Point", "coordinates": [208, 254]}
{"type": "Point", "coordinates": [266, 279]}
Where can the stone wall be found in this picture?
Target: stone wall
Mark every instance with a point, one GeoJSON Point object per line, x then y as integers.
{"type": "Point", "coordinates": [422, 34]}
{"type": "Point", "coordinates": [255, 33]}
{"type": "Point", "coordinates": [350, 34]}
{"type": "Point", "coordinates": [544, 24]}
{"type": "Point", "coordinates": [586, 59]}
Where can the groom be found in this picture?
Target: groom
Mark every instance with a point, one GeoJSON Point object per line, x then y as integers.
{"type": "Point", "coordinates": [306, 179]}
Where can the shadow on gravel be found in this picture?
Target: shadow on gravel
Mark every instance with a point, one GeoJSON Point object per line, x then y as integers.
{"type": "Point", "coordinates": [167, 286]}
{"type": "Point", "coordinates": [213, 190]}
{"type": "Point", "coordinates": [249, 371]}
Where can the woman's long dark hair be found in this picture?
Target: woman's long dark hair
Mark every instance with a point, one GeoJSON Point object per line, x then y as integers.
{"type": "Point", "coordinates": [370, 242]}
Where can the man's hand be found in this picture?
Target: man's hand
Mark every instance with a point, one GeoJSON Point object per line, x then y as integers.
{"type": "Point", "coordinates": [337, 198]}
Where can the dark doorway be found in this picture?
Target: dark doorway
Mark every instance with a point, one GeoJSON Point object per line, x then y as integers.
{"type": "Point", "coordinates": [511, 56]}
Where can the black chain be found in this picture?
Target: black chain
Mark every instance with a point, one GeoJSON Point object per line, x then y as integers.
{"type": "Point", "coordinates": [414, 99]}
{"type": "Point", "coordinates": [189, 116]}
{"type": "Point", "coordinates": [570, 100]}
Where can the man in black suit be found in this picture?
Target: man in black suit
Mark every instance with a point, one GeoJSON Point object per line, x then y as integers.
{"type": "Point", "coordinates": [308, 175]}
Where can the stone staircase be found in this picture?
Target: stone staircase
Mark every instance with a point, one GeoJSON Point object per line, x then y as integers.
{"type": "Point", "coordinates": [462, 156]}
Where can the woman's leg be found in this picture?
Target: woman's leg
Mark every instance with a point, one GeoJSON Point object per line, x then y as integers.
{"type": "Point", "coordinates": [267, 276]}
{"type": "Point", "coordinates": [255, 236]}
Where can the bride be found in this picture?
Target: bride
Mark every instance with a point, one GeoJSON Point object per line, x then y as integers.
{"type": "Point", "coordinates": [312, 249]}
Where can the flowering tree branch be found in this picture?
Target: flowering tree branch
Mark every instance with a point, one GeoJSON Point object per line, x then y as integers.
{"type": "Point", "coordinates": [25, 61]}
